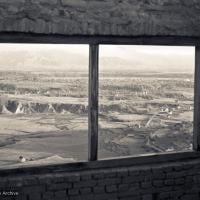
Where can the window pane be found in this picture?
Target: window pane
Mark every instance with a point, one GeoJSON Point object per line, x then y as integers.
{"type": "Point", "coordinates": [43, 103]}
{"type": "Point", "coordinates": [146, 100]}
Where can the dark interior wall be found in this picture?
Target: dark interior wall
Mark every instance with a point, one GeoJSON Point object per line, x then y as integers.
{"type": "Point", "coordinates": [102, 17]}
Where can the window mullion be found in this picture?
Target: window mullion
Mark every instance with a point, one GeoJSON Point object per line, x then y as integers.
{"type": "Point", "coordinates": [196, 139]}
{"type": "Point", "coordinates": [93, 102]}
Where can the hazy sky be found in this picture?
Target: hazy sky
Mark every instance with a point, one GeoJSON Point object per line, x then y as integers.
{"type": "Point", "coordinates": [112, 57]}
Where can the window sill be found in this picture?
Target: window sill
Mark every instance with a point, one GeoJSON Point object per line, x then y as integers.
{"type": "Point", "coordinates": [147, 159]}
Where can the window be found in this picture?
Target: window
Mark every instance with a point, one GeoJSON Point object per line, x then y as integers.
{"type": "Point", "coordinates": [44, 104]}
{"type": "Point", "coordinates": [63, 103]}
{"type": "Point", "coordinates": [146, 99]}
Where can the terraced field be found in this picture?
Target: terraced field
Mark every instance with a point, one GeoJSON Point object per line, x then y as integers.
{"type": "Point", "coordinates": [43, 116]}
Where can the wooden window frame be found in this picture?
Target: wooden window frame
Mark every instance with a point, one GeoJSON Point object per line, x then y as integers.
{"type": "Point", "coordinates": [196, 122]}
{"type": "Point", "coordinates": [93, 102]}
{"type": "Point", "coordinates": [94, 42]}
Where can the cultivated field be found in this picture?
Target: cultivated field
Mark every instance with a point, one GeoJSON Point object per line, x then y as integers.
{"type": "Point", "coordinates": [146, 112]}
{"type": "Point", "coordinates": [43, 115]}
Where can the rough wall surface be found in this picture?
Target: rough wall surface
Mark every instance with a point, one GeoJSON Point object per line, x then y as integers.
{"type": "Point", "coordinates": [170, 181]}
{"type": "Point", "coordinates": [102, 17]}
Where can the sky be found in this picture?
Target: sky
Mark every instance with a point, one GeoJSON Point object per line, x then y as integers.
{"type": "Point", "coordinates": [41, 57]}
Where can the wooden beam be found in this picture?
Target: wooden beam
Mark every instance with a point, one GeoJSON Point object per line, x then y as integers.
{"type": "Point", "coordinates": [196, 136]}
{"type": "Point", "coordinates": [14, 37]}
{"type": "Point", "coordinates": [93, 102]}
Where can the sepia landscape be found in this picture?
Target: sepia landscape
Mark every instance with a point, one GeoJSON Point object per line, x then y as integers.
{"type": "Point", "coordinates": [43, 106]}
{"type": "Point", "coordinates": [143, 108]}
{"type": "Point", "coordinates": [43, 116]}
{"type": "Point", "coordinates": [146, 107]}
{"type": "Point", "coordinates": [146, 113]}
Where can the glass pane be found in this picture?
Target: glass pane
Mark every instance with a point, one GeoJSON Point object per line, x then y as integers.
{"type": "Point", "coordinates": [43, 104]}
{"type": "Point", "coordinates": [146, 100]}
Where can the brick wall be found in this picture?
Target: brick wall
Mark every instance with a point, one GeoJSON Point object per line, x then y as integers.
{"type": "Point", "coordinates": [169, 181]}
{"type": "Point", "coordinates": [102, 17]}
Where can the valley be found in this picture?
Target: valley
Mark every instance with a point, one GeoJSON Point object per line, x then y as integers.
{"type": "Point", "coordinates": [43, 115]}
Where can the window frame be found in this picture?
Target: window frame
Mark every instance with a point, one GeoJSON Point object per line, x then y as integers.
{"type": "Point", "coordinates": [94, 42]}
{"type": "Point", "coordinates": [94, 68]}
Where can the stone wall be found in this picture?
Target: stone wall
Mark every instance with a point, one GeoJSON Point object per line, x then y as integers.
{"type": "Point", "coordinates": [102, 17]}
{"type": "Point", "coordinates": [169, 181]}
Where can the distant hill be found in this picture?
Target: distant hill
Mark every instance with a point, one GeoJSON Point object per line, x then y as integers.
{"type": "Point", "coordinates": [30, 58]}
